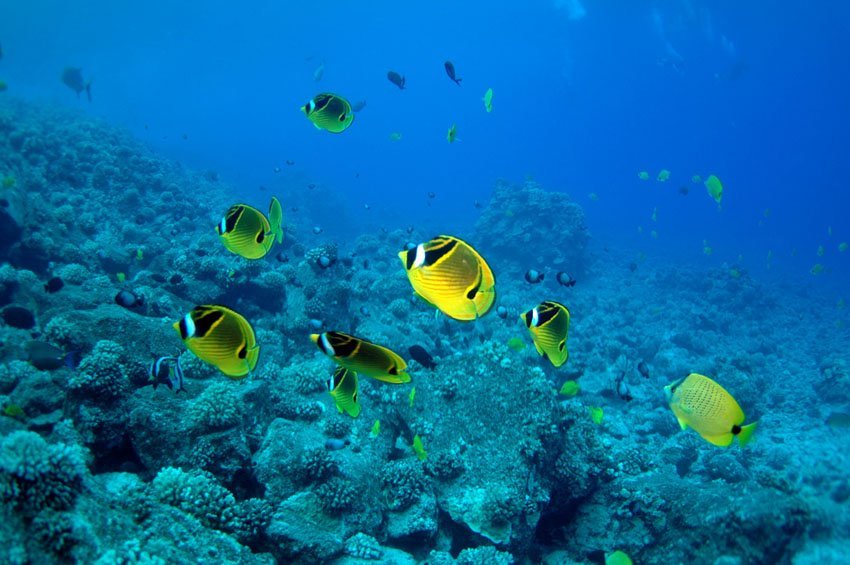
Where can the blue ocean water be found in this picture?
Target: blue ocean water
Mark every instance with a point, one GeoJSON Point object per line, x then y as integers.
{"type": "Point", "coordinates": [587, 96]}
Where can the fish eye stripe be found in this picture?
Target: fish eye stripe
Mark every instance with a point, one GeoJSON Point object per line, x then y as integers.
{"type": "Point", "coordinates": [320, 102]}
{"type": "Point", "coordinates": [529, 317]}
{"type": "Point", "coordinates": [437, 252]}
{"type": "Point", "coordinates": [343, 345]}
{"type": "Point", "coordinates": [546, 315]}
{"type": "Point", "coordinates": [232, 217]}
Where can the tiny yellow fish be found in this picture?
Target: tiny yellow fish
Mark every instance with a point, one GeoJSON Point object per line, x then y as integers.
{"type": "Point", "coordinates": [452, 134]}
{"type": "Point", "coordinates": [842, 247]}
{"type": "Point", "coordinates": [14, 411]}
{"type": "Point", "coordinates": [593, 196]}
{"type": "Point", "coordinates": [376, 429]}
{"type": "Point", "coordinates": [655, 214]}
{"type": "Point", "coordinates": [663, 175]}
{"type": "Point", "coordinates": [705, 247]}
{"type": "Point", "coordinates": [488, 100]}
{"type": "Point", "coordinates": [618, 558]}
{"type": "Point", "coordinates": [516, 343]}
{"type": "Point", "coordinates": [735, 273]}
{"type": "Point", "coordinates": [817, 269]}
{"type": "Point", "coordinates": [654, 234]}
{"type": "Point", "coordinates": [9, 181]}
{"type": "Point", "coordinates": [596, 414]}
{"type": "Point", "coordinates": [696, 179]}
{"type": "Point", "coordinates": [821, 250]}
{"type": "Point", "coordinates": [841, 304]}
{"type": "Point", "coordinates": [643, 175]}
{"type": "Point", "coordinates": [395, 136]}
{"type": "Point", "coordinates": [139, 254]}
{"type": "Point", "coordinates": [714, 188]}
{"type": "Point", "coordinates": [120, 277]}
{"type": "Point", "coordinates": [570, 389]}
{"type": "Point", "coordinates": [418, 448]}
{"type": "Point", "coordinates": [411, 396]}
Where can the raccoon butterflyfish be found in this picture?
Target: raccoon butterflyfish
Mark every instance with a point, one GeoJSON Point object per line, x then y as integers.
{"type": "Point", "coordinates": [221, 337]}
{"type": "Point", "coordinates": [548, 324]}
{"type": "Point", "coordinates": [643, 175]}
{"type": "Point", "coordinates": [699, 402]}
{"type": "Point", "coordinates": [663, 175]}
{"type": "Point", "coordinates": [245, 231]}
{"type": "Point", "coordinates": [343, 388]}
{"type": "Point", "coordinates": [714, 188]}
{"type": "Point", "coordinates": [450, 275]}
{"type": "Point", "coordinates": [362, 356]}
{"type": "Point", "coordinates": [329, 112]}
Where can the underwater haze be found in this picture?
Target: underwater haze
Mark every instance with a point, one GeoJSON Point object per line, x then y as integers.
{"type": "Point", "coordinates": [557, 281]}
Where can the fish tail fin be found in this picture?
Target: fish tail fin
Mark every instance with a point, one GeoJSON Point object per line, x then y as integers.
{"type": "Point", "coordinates": [457, 81]}
{"type": "Point", "coordinates": [71, 360]}
{"type": "Point", "coordinates": [746, 433]}
{"type": "Point", "coordinates": [276, 219]}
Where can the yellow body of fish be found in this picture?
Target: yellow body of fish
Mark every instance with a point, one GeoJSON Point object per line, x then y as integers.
{"type": "Point", "coordinates": [714, 188]}
{"type": "Point", "coordinates": [699, 402]}
{"type": "Point", "coordinates": [245, 231]}
{"type": "Point", "coordinates": [362, 356]}
{"type": "Point", "coordinates": [419, 448]}
{"type": "Point", "coordinates": [343, 388]}
{"type": "Point", "coordinates": [220, 337]}
{"type": "Point", "coordinates": [570, 389]}
{"type": "Point", "coordinates": [329, 112]}
{"type": "Point", "coordinates": [549, 324]}
{"type": "Point", "coordinates": [643, 175]}
{"type": "Point", "coordinates": [663, 175]}
{"type": "Point", "coordinates": [488, 100]}
{"type": "Point", "coordinates": [450, 275]}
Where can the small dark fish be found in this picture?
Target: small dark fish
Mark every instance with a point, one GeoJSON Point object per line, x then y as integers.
{"type": "Point", "coordinates": [396, 79]}
{"type": "Point", "coordinates": [128, 299]}
{"type": "Point", "coordinates": [334, 444]}
{"type": "Point", "coordinates": [158, 277]}
{"type": "Point", "coordinates": [502, 312]}
{"type": "Point", "coordinates": [263, 188]}
{"type": "Point", "coordinates": [19, 317]}
{"type": "Point", "coordinates": [633, 266]}
{"type": "Point", "coordinates": [311, 185]}
{"type": "Point", "coordinates": [161, 372]}
{"type": "Point", "coordinates": [290, 162]}
{"type": "Point", "coordinates": [357, 106]}
{"type": "Point", "coordinates": [534, 276]}
{"type": "Point", "coordinates": [364, 311]}
{"type": "Point", "coordinates": [46, 357]}
{"type": "Point", "coordinates": [72, 77]}
{"type": "Point", "coordinates": [478, 204]}
{"type": "Point", "coordinates": [431, 194]}
{"type": "Point", "coordinates": [450, 70]}
{"type": "Point", "coordinates": [424, 358]}
{"type": "Point", "coordinates": [684, 190]}
{"type": "Point", "coordinates": [185, 136]}
{"type": "Point", "coordinates": [55, 284]}
{"type": "Point", "coordinates": [643, 369]}
{"type": "Point", "coordinates": [324, 261]}
{"type": "Point", "coordinates": [409, 230]}
{"type": "Point", "coordinates": [175, 279]}
{"type": "Point", "coordinates": [565, 280]}
{"type": "Point", "coordinates": [282, 257]}
{"type": "Point", "coordinates": [838, 420]}
{"type": "Point", "coordinates": [294, 209]}
{"type": "Point", "coordinates": [622, 387]}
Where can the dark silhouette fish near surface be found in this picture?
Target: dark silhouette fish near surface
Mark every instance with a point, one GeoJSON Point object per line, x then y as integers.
{"type": "Point", "coordinates": [72, 77]}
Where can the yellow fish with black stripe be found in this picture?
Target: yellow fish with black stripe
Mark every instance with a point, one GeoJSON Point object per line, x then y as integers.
{"type": "Point", "coordinates": [329, 112]}
{"type": "Point", "coordinates": [343, 388]}
{"type": "Point", "coordinates": [363, 357]}
{"type": "Point", "coordinates": [451, 276]}
{"type": "Point", "coordinates": [245, 231]}
{"type": "Point", "coordinates": [699, 402]}
{"type": "Point", "coordinates": [549, 323]}
{"type": "Point", "coordinates": [220, 337]}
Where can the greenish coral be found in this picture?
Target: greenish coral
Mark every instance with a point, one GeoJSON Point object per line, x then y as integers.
{"type": "Point", "coordinates": [336, 496]}
{"type": "Point", "coordinates": [198, 494]}
{"type": "Point", "coordinates": [35, 475]}
{"type": "Point", "coordinates": [485, 555]}
{"type": "Point", "coordinates": [101, 373]}
{"type": "Point", "coordinates": [217, 408]}
{"type": "Point", "coordinates": [315, 466]}
{"type": "Point", "coordinates": [403, 483]}
{"type": "Point", "coordinates": [55, 531]}
{"type": "Point", "coordinates": [364, 546]}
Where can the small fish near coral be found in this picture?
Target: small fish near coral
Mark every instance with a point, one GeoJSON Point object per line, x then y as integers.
{"type": "Point", "coordinates": [363, 357]}
{"type": "Point", "coordinates": [221, 337]}
{"type": "Point", "coordinates": [700, 403]}
{"type": "Point", "coordinates": [161, 371]}
{"type": "Point", "coordinates": [548, 324]}
{"type": "Point", "coordinates": [342, 387]}
{"type": "Point", "coordinates": [245, 231]}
